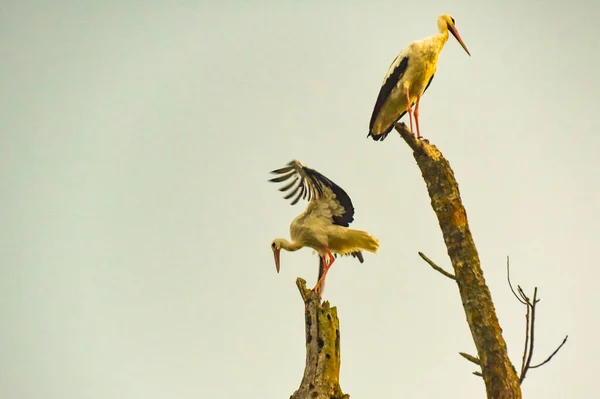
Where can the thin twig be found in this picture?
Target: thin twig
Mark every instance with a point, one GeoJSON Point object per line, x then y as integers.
{"type": "Point", "coordinates": [522, 293]}
{"type": "Point", "coordinates": [526, 349]}
{"type": "Point", "coordinates": [471, 358]}
{"type": "Point", "coordinates": [528, 353]}
{"type": "Point", "coordinates": [509, 283]}
{"type": "Point", "coordinates": [531, 334]}
{"type": "Point", "coordinates": [552, 355]}
{"type": "Point", "coordinates": [436, 267]}
{"type": "Point", "coordinates": [529, 326]}
{"type": "Point", "coordinates": [477, 373]}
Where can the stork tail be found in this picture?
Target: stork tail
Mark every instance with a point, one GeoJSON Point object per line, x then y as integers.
{"type": "Point", "coordinates": [355, 241]}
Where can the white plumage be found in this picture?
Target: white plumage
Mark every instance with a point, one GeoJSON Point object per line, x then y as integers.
{"type": "Point", "coordinates": [407, 79]}
{"type": "Point", "coordinates": [323, 226]}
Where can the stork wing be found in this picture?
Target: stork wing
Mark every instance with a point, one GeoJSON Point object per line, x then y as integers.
{"type": "Point", "coordinates": [314, 187]}
{"type": "Point", "coordinates": [395, 73]}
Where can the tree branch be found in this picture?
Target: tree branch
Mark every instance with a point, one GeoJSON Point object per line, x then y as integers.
{"type": "Point", "coordinates": [526, 349]}
{"type": "Point", "coordinates": [499, 375]}
{"type": "Point", "coordinates": [322, 370]}
{"type": "Point", "coordinates": [531, 332]}
{"type": "Point", "coordinates": [471, 358]}
{"type": "Point", "coordinates": [552, 355]}
{"type": "Point", "coordinates": [509, 282]}
{"type": "Point", "coordinates": [436, 267]}
{"type": "Point", "coordinates": [529, 327]}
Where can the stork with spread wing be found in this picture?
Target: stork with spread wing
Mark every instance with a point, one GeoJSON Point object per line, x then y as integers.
{"type": "Point", "coordinates": [323, 226]}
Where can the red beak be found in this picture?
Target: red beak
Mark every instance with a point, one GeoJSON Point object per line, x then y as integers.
{"type": "Point", "coordinates": [457, 37]}
{"type": "Point", "coordinates": [276, 255]}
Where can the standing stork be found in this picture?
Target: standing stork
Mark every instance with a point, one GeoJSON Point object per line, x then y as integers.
{"type": "Point", "coordinates": [323, 226]}
{"type": "Point", "coordinates": [407, 79]}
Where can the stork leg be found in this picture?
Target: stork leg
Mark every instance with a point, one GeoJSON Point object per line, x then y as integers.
{"type": "Point", "coordinates": [328, 260]}
{"type": "Point", "coordinates": [417, 116]}
{"type": "Point", "coordinates": [319, 289]}
{"type": "Point", "coordinates": [409, 109]}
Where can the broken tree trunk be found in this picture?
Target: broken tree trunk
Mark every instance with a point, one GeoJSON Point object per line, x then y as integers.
{"type": "Point", "coordinates": [500, 377]}
{"type": "Point", "coordinates": [322, 371]}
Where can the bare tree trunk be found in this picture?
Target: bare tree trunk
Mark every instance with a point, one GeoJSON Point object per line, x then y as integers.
{"type": "Point", "coordinates": [500, 377]}
{"type": "Point", "coordinates": [322, 371]}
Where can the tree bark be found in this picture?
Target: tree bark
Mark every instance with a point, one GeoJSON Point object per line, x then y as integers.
{"type": "Point", "coordinates": [322, 370]}
{"type": "Point", "coordinates": [500, 377]}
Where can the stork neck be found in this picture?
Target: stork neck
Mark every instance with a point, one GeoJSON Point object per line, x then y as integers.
{"type": "Point", "coordinates": [443, 36]}
{"type": "Point", "coordinates": [441, 39]}
{"type": "Point", "coordinates": [290, 246]}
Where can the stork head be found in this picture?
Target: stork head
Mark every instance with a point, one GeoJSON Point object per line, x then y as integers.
{"type": "Point", "coordinates": [276, 247]}
{"type": "Point", "coordinates": [446, 23]}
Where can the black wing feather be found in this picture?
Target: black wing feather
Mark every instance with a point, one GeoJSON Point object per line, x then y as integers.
{"type": "Point", "coordinates": [282, 177]}
{"type": "Point", "coordinates": [428, 83]}
{"type": "Point", "coordinates": [357, 254]}
{"type": "Point", "coordinates": [385, 91]}
{"type": "Point", "coordinates": [291, 193]}
{"type": "Point", "coordinates": [311, 187]}
{"type": "Point", "coordinates": [383, 135]}
{"type": "Point", "coordinates": [285, 188]}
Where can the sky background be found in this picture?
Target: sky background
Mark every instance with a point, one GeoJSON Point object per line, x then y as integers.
{"type": "Point", "coordinates": [136, 139]}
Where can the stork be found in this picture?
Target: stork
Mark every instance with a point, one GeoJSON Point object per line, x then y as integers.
{"type": "Point", "coordinates": [407, 79]}
{"type": "Point", "coordinates": [323, 226]}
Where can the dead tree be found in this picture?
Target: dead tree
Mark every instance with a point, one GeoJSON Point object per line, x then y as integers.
{"type": "Point", "coordinates": [321, 375]}
{"type": "Point", "coordinates": [322, 370]}
{"type": "Point", "coordinates": [501, 379]}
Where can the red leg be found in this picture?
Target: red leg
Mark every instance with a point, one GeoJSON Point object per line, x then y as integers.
{"type": "Point", "coordinates": [417, 116]}
{"type": "Point", "coordinates": [319, 289]}
{"type": "Point", "coordinates": [409, 109]}
{"type": "Point", "coordinates": [326, 265]}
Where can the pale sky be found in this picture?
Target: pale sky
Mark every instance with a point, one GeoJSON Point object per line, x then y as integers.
{"type": "Point", "coordinates": [137, 138]}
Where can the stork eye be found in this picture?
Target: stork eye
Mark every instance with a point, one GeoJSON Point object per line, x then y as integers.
{"type": "Point", "coordinates": [453, 22]}
{"type": "Point", "coordinates": [273, 246]}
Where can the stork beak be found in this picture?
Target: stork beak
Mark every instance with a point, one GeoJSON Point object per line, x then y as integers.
{"type": "Point", "coordinates": [457, 37]}
{"type": "Point", "coordinates": [276, 255]}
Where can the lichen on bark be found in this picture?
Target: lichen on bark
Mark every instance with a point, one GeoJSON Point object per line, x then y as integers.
{"type": "Point", "coordinates": [499, 374]}
{"type": "Point", "coordinates": [323, 357]}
